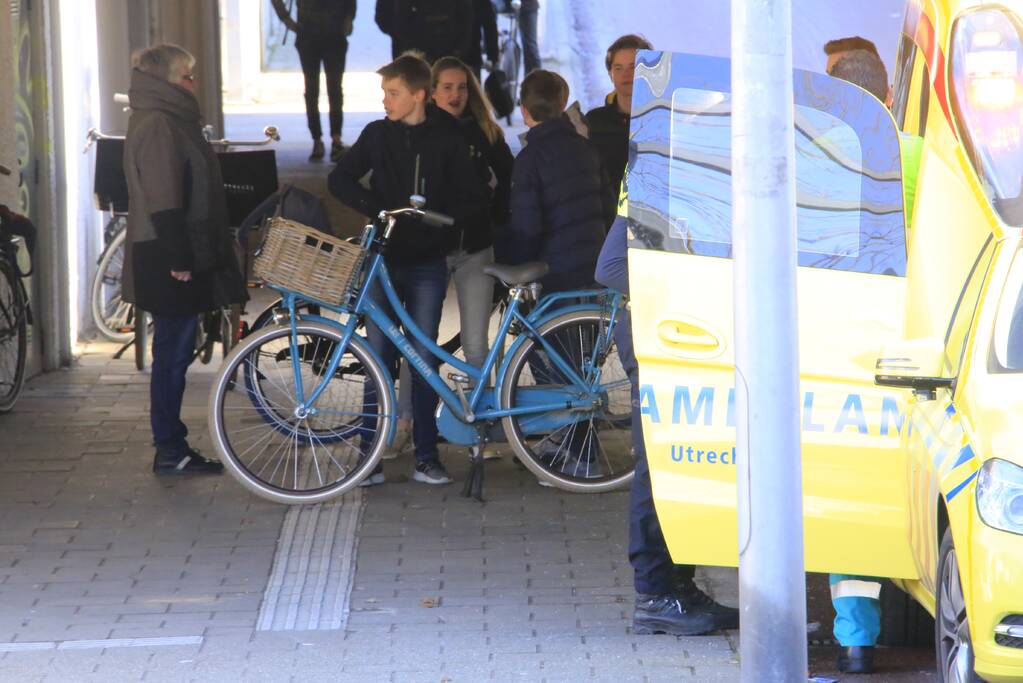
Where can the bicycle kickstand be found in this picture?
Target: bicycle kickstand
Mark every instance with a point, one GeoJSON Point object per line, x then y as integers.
{"type": "Point", "coordinates": [473, 487]}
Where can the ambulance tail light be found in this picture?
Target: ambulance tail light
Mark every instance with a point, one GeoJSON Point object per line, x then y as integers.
{"type": "Point", "coordinates": [987, 96]}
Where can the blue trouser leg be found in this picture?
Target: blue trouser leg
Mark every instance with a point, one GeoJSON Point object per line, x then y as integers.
{"type": "Point", "coordinates": [173, 351]}
{"type": "Point", "coordinates": [857, 609]}
{"type": "Point", "coordinates": [421, 288]}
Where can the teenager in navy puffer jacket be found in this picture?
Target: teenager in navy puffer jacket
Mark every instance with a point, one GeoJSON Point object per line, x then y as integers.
{"type": "Point", "coordinates": [561, 203]}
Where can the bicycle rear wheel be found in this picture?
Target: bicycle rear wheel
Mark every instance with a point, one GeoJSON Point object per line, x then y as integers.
{"type": "Point", "coordinates": [13, 336]}
{"type": "Point", "coordinates": [586, 451]}
{"type": "Point", "coordinates": [270, 445]}
{"type": "Point", "coordinates": [110, 313]}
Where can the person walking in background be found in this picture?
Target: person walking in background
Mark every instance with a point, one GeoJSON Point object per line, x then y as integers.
{"type": "Point", "coordinates": [457, 92]}
{"type": "Point", "coordinates": [321, 36]}
{"type": "Point", "coordinates": [609, 124]}
{"type": "Point", "coordinates": [528, 19]}
{"type": "Point", "coordinates": [179, 256]}
{"type": "Point", "coordinates": [484, 36]}
{"type": "Point", "coordinates": [436, 28]}
{"type": "Point", "coordinates": [414, 150]}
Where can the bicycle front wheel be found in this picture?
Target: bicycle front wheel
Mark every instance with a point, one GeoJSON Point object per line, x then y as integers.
{"type": "Point", "coordinates": [13, 336]}
{"type": "Point", "coordinates": [270, 444]}
{"type": "Point", "coordinates": [587, 450]}
{"type": "Point", "coordinates": [110, 312]}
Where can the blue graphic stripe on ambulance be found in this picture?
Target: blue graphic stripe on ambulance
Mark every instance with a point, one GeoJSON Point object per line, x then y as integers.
{"type": "Point", "coordinates": [965, 456]}
{"type": "Point", "coordinates": [955, 492]}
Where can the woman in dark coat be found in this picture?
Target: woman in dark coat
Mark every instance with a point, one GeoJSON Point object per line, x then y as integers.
{"type": "Point", "coordinates": [179, 258]}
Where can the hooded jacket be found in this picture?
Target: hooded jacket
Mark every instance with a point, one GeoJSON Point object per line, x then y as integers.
{"type": "Point", "coordinates": [561, 205]}
{"type": "Point", "coordinates": [430, 159]}
{"type": "Point", "coordinates": [177, 211]}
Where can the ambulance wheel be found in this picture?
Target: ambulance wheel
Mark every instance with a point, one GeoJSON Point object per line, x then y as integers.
{"type": "Point", "coordinates": [952, 644]}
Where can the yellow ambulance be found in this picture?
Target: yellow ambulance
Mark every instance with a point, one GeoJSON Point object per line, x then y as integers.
{"type": "Point", "coordinates": [910, 332]}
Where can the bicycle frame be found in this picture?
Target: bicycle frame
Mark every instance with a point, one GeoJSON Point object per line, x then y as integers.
{"type": "Point", "coordinates": [569, 398]}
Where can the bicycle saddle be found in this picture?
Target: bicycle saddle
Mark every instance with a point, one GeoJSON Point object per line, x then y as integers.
{"type": "Point", "coordinates": [516, 276]}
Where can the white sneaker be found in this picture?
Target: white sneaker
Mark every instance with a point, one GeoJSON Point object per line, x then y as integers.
{"type": "Point", "coordinates": [374, 479]}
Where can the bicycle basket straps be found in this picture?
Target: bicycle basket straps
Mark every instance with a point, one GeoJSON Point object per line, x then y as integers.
{"type": "Point", "coordinates": [307, 261]}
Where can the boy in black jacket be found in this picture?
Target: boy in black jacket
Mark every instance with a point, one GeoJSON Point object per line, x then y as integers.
{"type": "Point", "coordinates": [414, 150]}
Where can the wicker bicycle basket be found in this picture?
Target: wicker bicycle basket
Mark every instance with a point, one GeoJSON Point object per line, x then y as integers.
{"type": "Point", "coordinates": [307, 261]}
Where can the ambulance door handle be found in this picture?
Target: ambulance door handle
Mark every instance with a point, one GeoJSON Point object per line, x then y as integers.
{"type": "Point", "coordinates": [687, 336]}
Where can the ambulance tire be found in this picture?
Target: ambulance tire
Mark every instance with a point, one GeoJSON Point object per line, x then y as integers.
{"type": "Point", "coordinates": [904, 622]}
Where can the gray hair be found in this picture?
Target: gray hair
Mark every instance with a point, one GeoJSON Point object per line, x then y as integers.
{"type": "Point", "coordinates": [165, 60]}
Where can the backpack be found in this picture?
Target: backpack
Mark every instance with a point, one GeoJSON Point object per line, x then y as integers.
{"type": "Point", "coordinates": [499, 93]}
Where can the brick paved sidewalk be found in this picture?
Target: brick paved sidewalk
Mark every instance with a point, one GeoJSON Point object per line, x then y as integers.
{"type": "Point", "coordinates": [108, 573]}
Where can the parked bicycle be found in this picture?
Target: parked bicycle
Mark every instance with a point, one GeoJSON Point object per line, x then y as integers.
{"type": "Point", "coordinates": [314, 407]}
{"type": "Point", "coordinates": [116, 319]}
{"type": "Point", "coordinates": [15, 312]}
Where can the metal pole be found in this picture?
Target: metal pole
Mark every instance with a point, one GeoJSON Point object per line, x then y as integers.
{"type": "Point", "coordinates": [772, 584]}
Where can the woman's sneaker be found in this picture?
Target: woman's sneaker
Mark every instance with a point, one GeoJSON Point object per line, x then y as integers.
{"type": "Point", "coordinates": [431, 472]}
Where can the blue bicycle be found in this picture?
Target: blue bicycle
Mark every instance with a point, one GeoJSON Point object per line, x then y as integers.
{"type": "Point", "coordinates": [302, 410]}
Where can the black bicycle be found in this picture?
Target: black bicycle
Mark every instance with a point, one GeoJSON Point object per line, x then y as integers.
{"type": "Point", "coordinates": [15, 314]}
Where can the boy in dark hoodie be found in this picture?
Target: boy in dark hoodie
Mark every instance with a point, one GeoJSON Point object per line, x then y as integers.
{"type": "Point", "coordinates": [414, 150]}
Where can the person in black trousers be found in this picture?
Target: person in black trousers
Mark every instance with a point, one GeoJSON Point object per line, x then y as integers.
{"type": "Point", "coordinates": [484, 36]}
{"type": "Point", "coordinates": [321, 36]}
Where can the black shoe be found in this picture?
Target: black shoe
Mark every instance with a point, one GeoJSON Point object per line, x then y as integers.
{"type": "Point", "coordinates": [689, 593]}
{"type": "Point", "coordinates": [188, 461]}
{"type": "Point", "coordinates": [337, 150]}
{"type": "Point", "coordinates": [668, 614]}
{"type": "Point", "coordinates": [318, 150]}
{"type": "Point", "coordinates": [856, 659]}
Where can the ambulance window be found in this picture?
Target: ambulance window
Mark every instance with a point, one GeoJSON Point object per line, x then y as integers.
{"type": "Point", "coordinates": [1007, 343]}
{"type": "Point", "coordinates": [849, 206]}
{"type": "Point", "coordinates": [962, 317]}
{"type": "Point", "coordinates": [903, 80]}
{"type": "Point", "coordinates": [912, 91]}
{"type": "Point", "coordinates": [987, 96]}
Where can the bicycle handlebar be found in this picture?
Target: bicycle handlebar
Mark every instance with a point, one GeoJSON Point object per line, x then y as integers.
{"type": "Point", "coordinates": [271, 133]}
{"type": "Point", "coordinates": [433, 218]}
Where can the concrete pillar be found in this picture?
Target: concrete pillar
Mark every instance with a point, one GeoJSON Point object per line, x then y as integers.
{"type": "Point", "coordinates": [195, 26]}
{"type": "Point", "coordinates": [114, 48]}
